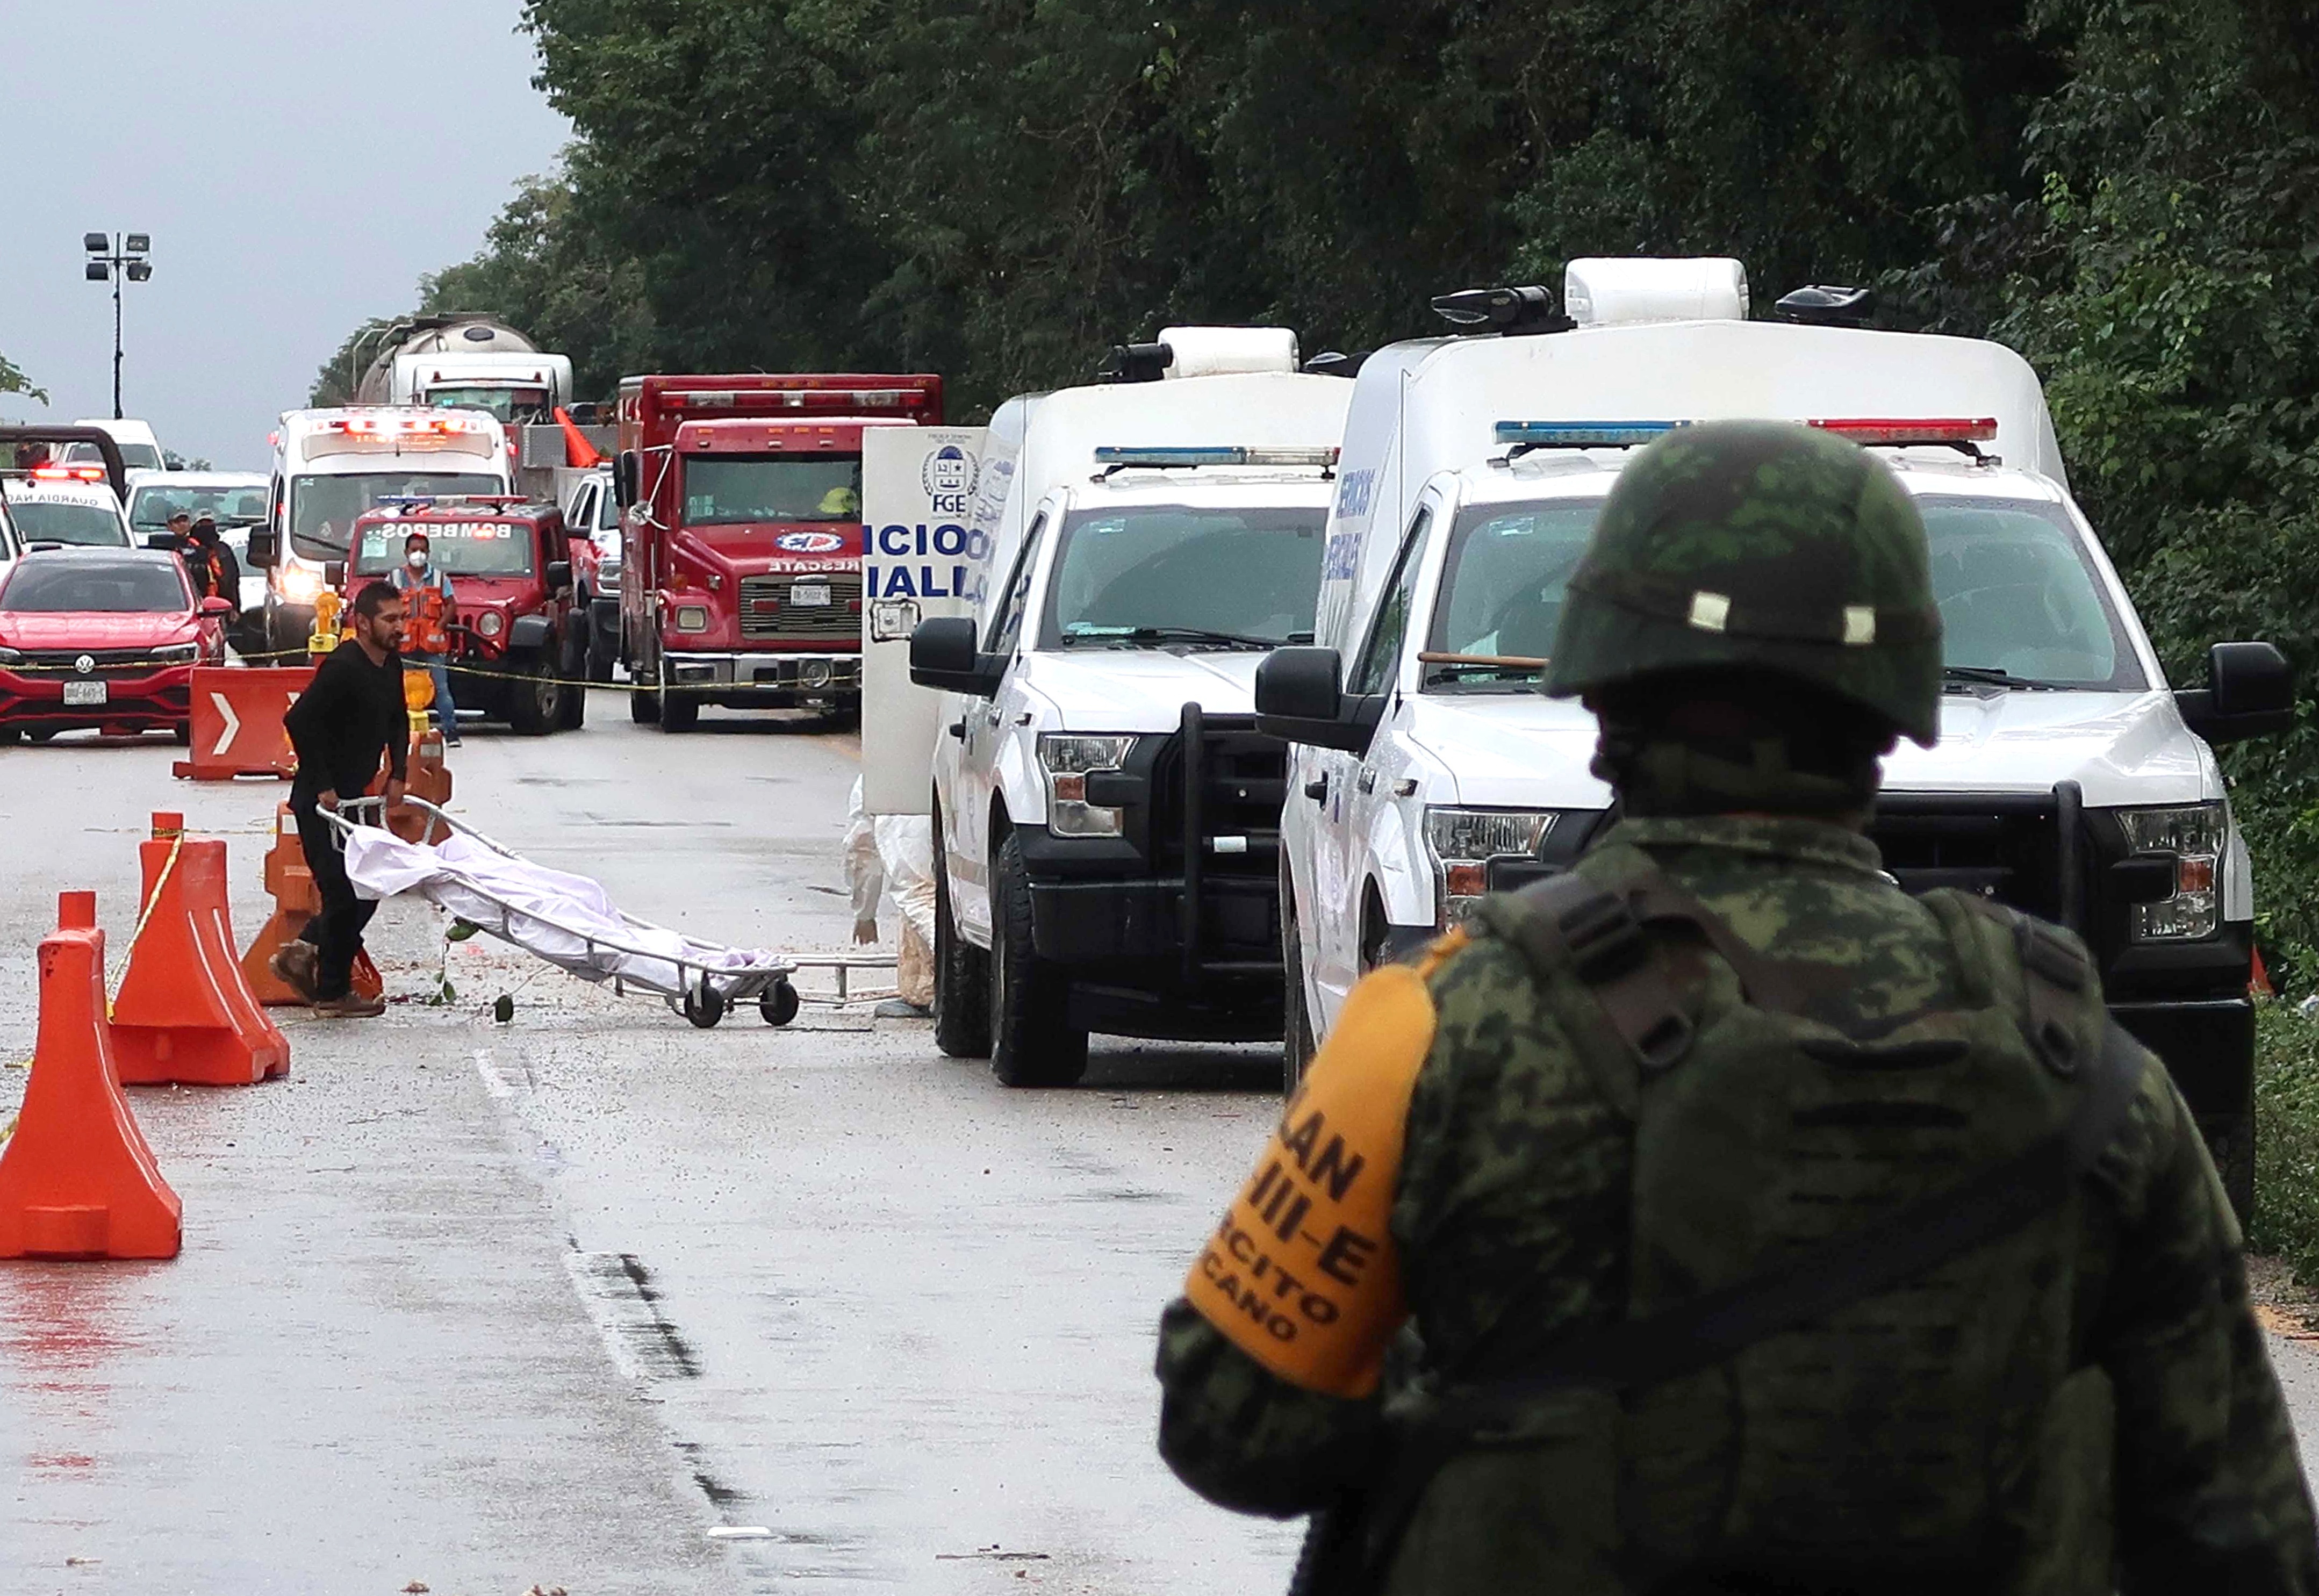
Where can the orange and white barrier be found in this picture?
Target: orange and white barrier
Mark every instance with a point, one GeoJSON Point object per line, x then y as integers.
{"type": "Point", "coordinates": [185, 1012]}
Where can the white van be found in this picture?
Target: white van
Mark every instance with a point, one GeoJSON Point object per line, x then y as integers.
{"type": "Point", "coordinates": [139, 449]}
{"type": "Point", "coordinates": [1106, 809]}
{"type": "Point", "coordinates": [329, 465]}
{"type": "Point", "coordinates": [2069, 780]}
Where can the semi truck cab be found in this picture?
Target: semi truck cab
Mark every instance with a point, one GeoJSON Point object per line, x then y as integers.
{"type": "Point", "coordinates": [741, 572]}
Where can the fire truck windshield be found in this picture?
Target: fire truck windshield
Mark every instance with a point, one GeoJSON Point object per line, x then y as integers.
{"type": "Point", "coordinates": [508, 404]}
{"type": "Point", "coordinates": [728, 490]}
{"type": "Point", "coordinates": [322, 509]}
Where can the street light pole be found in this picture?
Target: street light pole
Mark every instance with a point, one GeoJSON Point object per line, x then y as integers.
{"type": "Point", "coordinates": [118, 257]}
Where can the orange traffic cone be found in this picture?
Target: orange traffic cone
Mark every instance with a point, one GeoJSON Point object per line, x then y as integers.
{"type": "Point", "coordinates": [76, 1179]}
{"type": "Point", "coordinates": [295, 901]}
{"type": "Point", "coordinates": [184, 1011]}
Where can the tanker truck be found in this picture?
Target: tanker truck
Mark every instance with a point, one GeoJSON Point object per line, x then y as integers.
{"type": "Point", "coordinates": [467, 362]}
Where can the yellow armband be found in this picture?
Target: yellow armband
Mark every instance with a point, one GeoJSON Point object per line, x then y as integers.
{"type": "Point", "coordinates": [1301, 1274]}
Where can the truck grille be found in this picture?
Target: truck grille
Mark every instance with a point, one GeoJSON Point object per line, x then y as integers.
{"type": "Point", "coordinates": [2006, 846]}
{"type": "Point", "coordinates": [1245, 774]}
{"type": "Point", "coordinates": [768, 609]}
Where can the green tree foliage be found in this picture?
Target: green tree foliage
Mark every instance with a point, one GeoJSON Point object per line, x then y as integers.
{"type": "Point", "coordinates": [2127, 191]}
{"type": "Point", "coordinates": [12, 379]}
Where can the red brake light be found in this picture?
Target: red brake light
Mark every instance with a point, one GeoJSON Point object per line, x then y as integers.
{"type": "Point", "coordinates": [1955, 429]}
{"type": "Point", "coordinates": [67, 473]}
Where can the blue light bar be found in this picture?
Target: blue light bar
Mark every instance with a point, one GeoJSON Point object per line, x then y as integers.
{"type": "Point", "coordinates": [1115, 455]}
{"type": "Point", "coordinates": [1583, 435]}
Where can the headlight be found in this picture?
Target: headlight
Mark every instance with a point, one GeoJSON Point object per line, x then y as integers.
{"type": "Point", "coordinates": [300, 583]}
{"type": "Point", "coordinates": [178, 654]}
{"type": "Point", "coordinates": [1464, 841]}
{"type": "Point", "coordinates": [491, 623]}
{"type": "Point", "coordinates": [692, 617]}
{"type": "Point", "coordinates": [1068, 757]}
{"type": "Point", "coordinates": [2194, 836]}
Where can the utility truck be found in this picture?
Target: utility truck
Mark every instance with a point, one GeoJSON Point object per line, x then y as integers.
{"type": "Point", "coordinates": [1106, 811]}
{"type": "Point", "coordinates": [330, 466]}
{"type": "Point", "coordinates": [740, 578]}
{"type": "Point", "coordinates": [2070, 779]}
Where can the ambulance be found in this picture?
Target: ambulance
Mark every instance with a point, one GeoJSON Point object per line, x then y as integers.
{"type": "Point", "coordinates": [329, 465]}
{"type": "Point", "coordinates": [1105, 813]}
{"type": "Point", "coordinates": [2070, 779]}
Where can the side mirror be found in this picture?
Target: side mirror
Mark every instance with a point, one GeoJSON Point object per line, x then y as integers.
{"type": "Point", "coordinates": [213, 605]}
{"type": "Point", "coordinates": [559, 575]}
{"type": "Point", "coordinates": [943, 655]}
{"type": "Point", "coordinates": [2250, 692]}
{"type": "Point", "coordinates": [1298, 697]}
{"type": "Point", "coordinates": [334, 574]}
{"type": "Point", "coordinates": [625, 473]}
{"type": "Point", "coordinates": [259, 556]}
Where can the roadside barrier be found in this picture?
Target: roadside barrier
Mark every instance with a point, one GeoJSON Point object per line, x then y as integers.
{"type": "Point", "coordinates": [237, 722]}
{"type": "Point", "coordinates": [184, 1011]}
{"type": "Point", "coordinates": [296, 901]}
{"type": "Point", "coordinates": [76, 1179]}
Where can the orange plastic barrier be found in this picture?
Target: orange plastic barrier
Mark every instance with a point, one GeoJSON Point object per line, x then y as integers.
{"type": "Point", "coordinates": [427, 778]}
{"type": "Point", "coordinates": [295, 901]}
{"type": "Point", "coordinates": [237, 722]}
{"type": "Point", "coordinates": [184, 1011]}
{"type": "Point", "coordinates": [76, 1179]}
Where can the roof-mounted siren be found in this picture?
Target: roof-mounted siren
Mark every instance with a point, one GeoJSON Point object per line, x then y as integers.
{"type": "Point", "coordinates": [1827, 305]}
{"type": "Point", "coordinates": [1514, 313]}
{"type": "Point", "coordinates": [1626, 290]}
{"type": "Point", "coordinates": [1203, 352]}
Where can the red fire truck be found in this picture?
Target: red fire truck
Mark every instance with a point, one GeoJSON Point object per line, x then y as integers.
{"type": "Point", "coordinates": [741, 532]}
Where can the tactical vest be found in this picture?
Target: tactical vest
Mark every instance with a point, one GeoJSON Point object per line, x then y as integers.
{"type": "Point", "coordinates": [1851, 1354]}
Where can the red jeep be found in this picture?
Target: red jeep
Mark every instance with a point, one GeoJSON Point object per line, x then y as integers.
{"type": "Point", "coordinates": [522, 641]}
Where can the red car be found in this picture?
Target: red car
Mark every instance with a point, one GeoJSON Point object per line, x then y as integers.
{"type": "Point", "coordinates": [105, 638]}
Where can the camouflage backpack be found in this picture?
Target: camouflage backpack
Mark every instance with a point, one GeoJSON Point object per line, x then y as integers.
{"type": "Point", "coordinates": [1850, 1295]}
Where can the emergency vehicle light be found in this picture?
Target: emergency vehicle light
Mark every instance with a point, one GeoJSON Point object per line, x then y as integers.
{"type": "Point", "coordinates": [1116, 456]}
{"type": "Point", "coordinates": [406, 425]}
{"type": "Point", "coordinates": [789, 399]}
{"type": "Point", "coordinates": [68, 473]}
{"type": "Point", "coordinates": [1583, 435]}
{"type": "Point", "coordinates": [1933, 430]}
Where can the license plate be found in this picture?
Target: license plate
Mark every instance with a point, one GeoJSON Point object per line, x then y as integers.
{"type": "Point", "coordinates": [809, 593]}
{"type": "Point", "coordinates": [79, 694]}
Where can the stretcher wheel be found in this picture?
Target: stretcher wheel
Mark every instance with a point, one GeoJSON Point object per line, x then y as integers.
{"type": "Point", "coordinates": [778, 1003]}
{"type": "Point", "coordinates": [704, 1004]}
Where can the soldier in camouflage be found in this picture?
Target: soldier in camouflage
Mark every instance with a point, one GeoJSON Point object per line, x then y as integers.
{"type": "Point", "coordinates": [1752, 1226]}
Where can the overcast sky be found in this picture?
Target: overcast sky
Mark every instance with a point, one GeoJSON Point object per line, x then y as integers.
{"type": "Point", "coordinates": [299, 164]}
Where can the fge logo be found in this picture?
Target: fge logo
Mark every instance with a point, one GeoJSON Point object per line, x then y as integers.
{"type": "Point", "coordinates": [949, 476]}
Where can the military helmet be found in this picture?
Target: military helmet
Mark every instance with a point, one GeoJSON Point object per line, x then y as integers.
{"type": "Point", "coordinates": [1762, 544]}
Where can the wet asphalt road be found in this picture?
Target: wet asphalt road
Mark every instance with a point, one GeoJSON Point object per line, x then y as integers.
{"type": "Point", "coordinates": [483, 1306]}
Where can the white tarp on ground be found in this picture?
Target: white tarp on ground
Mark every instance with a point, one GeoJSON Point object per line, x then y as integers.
{"type": "Point", "coordinates": [550, 913]}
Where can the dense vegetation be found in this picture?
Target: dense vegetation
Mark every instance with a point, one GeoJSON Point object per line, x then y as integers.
{"type": "Point", "coordinates": [996, 189]}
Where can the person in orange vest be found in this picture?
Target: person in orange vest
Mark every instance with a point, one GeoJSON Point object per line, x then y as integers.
{"type": "Point", "coordinates": [426, 597]}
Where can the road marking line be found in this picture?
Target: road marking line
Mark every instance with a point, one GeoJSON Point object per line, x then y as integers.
{"type": "Point", "coordinates": [493, 1081]}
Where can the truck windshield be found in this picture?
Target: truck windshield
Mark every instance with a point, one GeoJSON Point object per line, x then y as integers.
{"type": "Point", "coordinates": [134, 456]}
{"type": "Point", "coordinates": [508, 404]}
{"type": "Point", "coordinates": [461, 548]}
{"type": "Point", "coordinates": [322, 509]}
{"type": "Point", "coordinates": [2017, 595]}
{"type": "Point", "coordinates": [151, 506]}
{"type": "Point", "coordinates": [1161, 575]}
{"type": "Point", "coordinates": [735, 489]}
{"type": "Point", "coordinates": [62, 522]}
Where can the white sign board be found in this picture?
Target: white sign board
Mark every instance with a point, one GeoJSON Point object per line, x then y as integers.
{"type": "Point", "coordinates": [920, 551]}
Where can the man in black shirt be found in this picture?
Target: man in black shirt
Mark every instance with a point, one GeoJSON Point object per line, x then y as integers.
{"type": "Point", "coordinates": [349, 716]}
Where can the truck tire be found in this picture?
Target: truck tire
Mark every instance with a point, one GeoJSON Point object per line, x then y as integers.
{"type": "Point", "coordinates": [1032, 1042]}
{"type": "Point", "coordinates": [679, 711]}
{"type": "Point", "coordinates": [1298, 1044]}
{"type": "Point", "coordinates": [535, 702]}
{"type": "Point", "coordinates": [574, 673]}
{"type": "Point", "coordinates": [644, 705]}
{"type": "Point", "coordinates": [603, 650]}
{"type": "Point", "coordinates": [961, 977]}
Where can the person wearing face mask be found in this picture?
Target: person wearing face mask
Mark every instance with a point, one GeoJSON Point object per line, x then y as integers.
{"type": "Point", "coordinates": [216, 573]}
{"type": "Point", "coordinates": [427, 600]}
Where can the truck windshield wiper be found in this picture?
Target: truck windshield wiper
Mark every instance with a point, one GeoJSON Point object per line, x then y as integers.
{"type": "Point", "coordinates": [1116, 635]}
{"type": "Point", "coordinates": [1995, 676]}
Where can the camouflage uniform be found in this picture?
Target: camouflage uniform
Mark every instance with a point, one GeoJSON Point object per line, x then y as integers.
{"type": "Point", "coordinates": [2173, 1465]}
